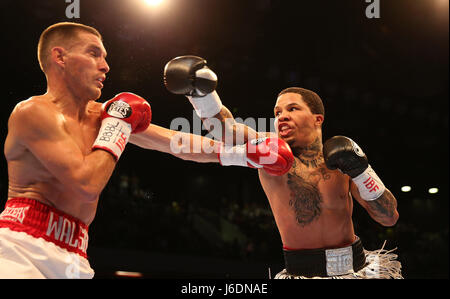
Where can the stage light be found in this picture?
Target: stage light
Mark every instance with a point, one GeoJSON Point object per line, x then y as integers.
{"type": "Point", "coordinates": [153, 2]}
{"type": "Point", "coordinates": [406, 188]}
{"type": "Point", "coordinates": [433, 190]}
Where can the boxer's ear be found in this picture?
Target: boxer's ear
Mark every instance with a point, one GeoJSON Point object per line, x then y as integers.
{"type": "Point", "coordinates": [57, 56]}
{"type": "Point", "coordinates": [318, 119]}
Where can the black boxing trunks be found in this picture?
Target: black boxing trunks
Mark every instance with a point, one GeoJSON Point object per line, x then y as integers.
{"type": "Point", "coordinates": [352, 261]}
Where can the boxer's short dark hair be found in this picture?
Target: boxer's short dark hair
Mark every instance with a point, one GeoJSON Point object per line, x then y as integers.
{"type": "Point", "coordinates": [59, 33]}
{"type": "Point", "coordinates": [312, 99]}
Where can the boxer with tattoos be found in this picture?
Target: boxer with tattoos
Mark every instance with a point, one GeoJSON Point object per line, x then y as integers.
{"type": "Point", "coordinates": [312, 203]}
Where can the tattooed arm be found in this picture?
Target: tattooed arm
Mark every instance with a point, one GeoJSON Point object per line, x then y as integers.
{"type": "Point", "coordinates": [383, 209]}
{"type": "Point", "coordinates": [223, 126]}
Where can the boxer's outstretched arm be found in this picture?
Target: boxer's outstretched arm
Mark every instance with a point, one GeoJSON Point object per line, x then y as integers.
{"type": "Point", "coordinates": [35, 127]}
{"type": "Point", "coordinates": [232, 132]}
{"type": "Point", "coordinates": [179, 144]}
{"type": "Point", "coordinates": [202, 149]}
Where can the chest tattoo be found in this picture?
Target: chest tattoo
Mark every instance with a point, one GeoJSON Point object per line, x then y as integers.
{"type": "Point", "coordinates": [305, 197]}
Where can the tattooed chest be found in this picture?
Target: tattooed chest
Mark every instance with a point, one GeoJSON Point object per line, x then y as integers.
{"type": "Point", "coordinates": [305, 197]}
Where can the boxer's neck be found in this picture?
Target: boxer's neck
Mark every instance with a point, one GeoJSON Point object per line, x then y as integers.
{"type": "Point", "coordinates": [66, 100]}
{"type": "Point", "coordinates": [311, 153]}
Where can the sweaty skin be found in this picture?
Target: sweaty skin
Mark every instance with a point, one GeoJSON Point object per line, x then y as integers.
{"type": "Point", "coordinates": [48, 146]}
{"type": "Point", "coordinates": [57, 166]}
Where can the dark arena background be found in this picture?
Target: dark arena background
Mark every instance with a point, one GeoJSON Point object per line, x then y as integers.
{"type": "Point", "coordinates": [383, 77]}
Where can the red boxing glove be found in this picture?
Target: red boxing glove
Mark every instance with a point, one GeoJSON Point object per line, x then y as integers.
{"type": "Point", "coordinates": [130, 108]}
{"type": "Point", "coordinates": [124, 114]}
{"type": "Point", "coordinates": [272, 154]}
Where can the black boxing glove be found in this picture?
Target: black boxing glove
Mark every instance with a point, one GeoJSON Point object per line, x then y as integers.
{"type": "Point", "coordinates": [189, 75]}
{"type": "Point", "coordinates": [342, 153]}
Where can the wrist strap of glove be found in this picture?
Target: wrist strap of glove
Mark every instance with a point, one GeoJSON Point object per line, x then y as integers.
{"type": "Point", "coordinates": [235, 156]}
{"type": "Point", "coordinates": [113, 136]}
{"type": "Point", "coordinates": [206, 106]}
{"type": "Point", "coordinates": [369, 184]}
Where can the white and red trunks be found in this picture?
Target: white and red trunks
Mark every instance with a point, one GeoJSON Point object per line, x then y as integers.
{"type": "Point", "coordinates": [39, 241]}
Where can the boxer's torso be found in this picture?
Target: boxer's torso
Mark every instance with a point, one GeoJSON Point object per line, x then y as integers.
{"type": "Point", "coordinates": [312, 206]}
{"type": "Point", "coordinates": [29, 178]}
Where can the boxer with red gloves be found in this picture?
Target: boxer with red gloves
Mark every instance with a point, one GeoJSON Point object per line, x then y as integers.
{"type": "Point", "coordinates": [61, 150]}
{"type": "Point", "coordinates": [124, 114]}
{"type": "Point", "coordinates": [311, 199]}
{"type": "Point", "coordinates": [269, 153]}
